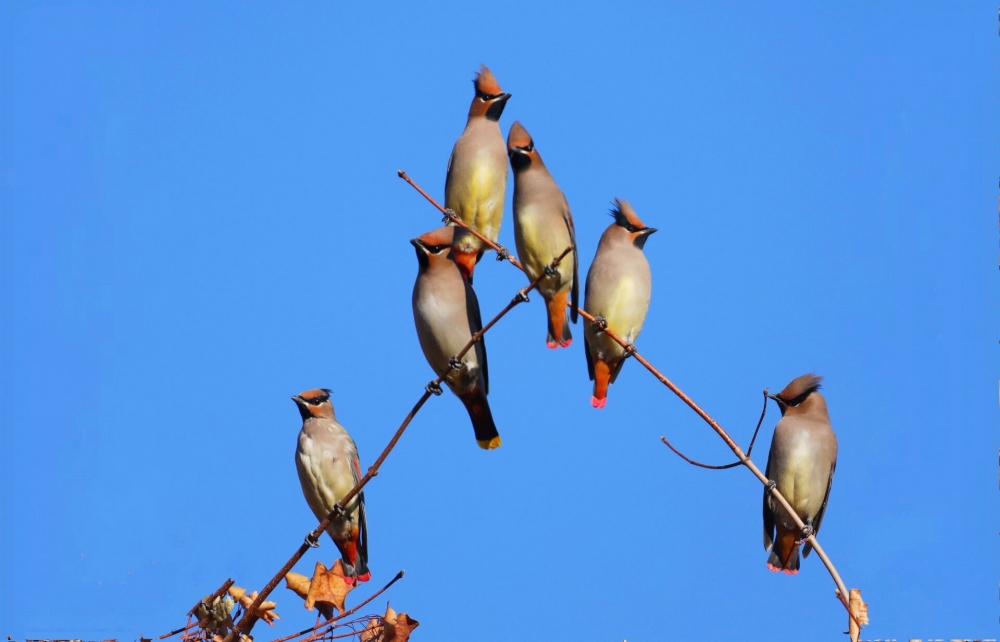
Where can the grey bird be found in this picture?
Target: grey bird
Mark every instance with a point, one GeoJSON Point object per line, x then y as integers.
{"type": "Point", "coordinates": [328, 465]}
{"type": "Point", "coordinates": [801, 462]}
{"type": "Point", "coordinates": [477, 172]}
{"type": "Point", "coordinates": [619, 285]}
{"type": "Point", "coordinates": [446, 313]}
{"type": "Point", "coordinates": [543, 228]}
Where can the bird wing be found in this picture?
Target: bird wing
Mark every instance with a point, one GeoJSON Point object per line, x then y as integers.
{"type": "Point", "coordinates": [822, 509]}
{"type": "Point", "coordinates": [575, 292]}
{"type": "Point", "coordinates": [362, 517]}
{"type": "Point", "coordinates": [475, 325]}
{"type": "Point", "coordinates": [768, 513]}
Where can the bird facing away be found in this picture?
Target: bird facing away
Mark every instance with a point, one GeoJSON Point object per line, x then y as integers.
{"type": "Point", "coordinates": [446, 313]}
{"type": "Point", "coordinates": [618, 289]}
{"type": "Point", "coordinates": [477, 172]}
{"type": "Point", "coordinates": [543, 228]}
{"type": "Point", "coordinates": [801, 462]}
{"type": "Point", "coordinates": [328, 465]}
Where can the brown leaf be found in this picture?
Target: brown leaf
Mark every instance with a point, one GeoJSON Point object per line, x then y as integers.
{"type": "Point", "coordinates": [266, 609]}
{"type": "Point", "coordinates": [299, 584]}
{"type": "Point", "coordinates": [860, 611]}
{"type": "Point", "coordinates": [373, 631]}
{"type": "Point", "coordinates": [327, 589]}
{"type": "Point", "coordinates": [404, 625]}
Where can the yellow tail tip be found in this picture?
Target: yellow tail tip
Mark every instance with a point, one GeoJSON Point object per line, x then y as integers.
{"type": "Point", "coordinates": [489, 444]}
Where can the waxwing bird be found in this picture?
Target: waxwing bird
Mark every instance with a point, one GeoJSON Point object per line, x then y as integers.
{"type": "Point", "coordinates": [618, 288]}
{"type": "Point", "coordinates": [328, 465]}
{"type": "Point", "coordinates": [477, 172]}
{"type": "Point", "coordinates": [446, 313]}
{"type": "Point", "coordinates": [801, 462]}
{"type": "Point", "coordinates": [543, 228]}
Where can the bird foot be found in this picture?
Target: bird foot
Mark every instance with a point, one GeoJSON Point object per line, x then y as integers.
{"type": "Point", "coordinates": [312, 542]}
{"type": "Point", "coordinates": [770, 486]}
{"type": "Point", "coordinates": [455, 364]}
{"type": "Point", "coordinates": [601, 323]}
{"type": "Point", "coordinates": [807, 532]}
{"type": "Point", "coordinates": [550, 271]}
{"type": "Point", "coordinates": [522, 296]}
{"type": "Point", "coordinates": [629, 350]}
{"type": "Point", "coordinates": [434, 388]}
{"type": "Point", "coordinates": [502, 253]}
{"type": "Point", "coordinates": [449, 215]}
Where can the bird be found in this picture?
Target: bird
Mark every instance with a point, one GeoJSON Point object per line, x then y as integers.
{"type": "Point", "coordinates": [477, 172]}
{"type": "Point", "coordinates": [800, 465]}
{"type": "Point", "coordinates": [543, 228]}
{"type": "Point", "coordinates": [328, 465]}
{"type": "Point", "coordinates": [617, 294]}
{"type": "Point", "coordinates": [446, 315]}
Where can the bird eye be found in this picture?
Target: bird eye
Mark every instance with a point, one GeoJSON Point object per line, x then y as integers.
{"type": "Point", "coordinates": [437, 249]}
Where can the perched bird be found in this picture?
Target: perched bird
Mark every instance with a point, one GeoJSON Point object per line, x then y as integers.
{"type": "Point", "coordinates": [618, 288]}
{"type": "Point", "coordinates": [477, 172]}
{"type": "Point", "coordinates": [446, 313]}
{"type": "Point", "coordinates": [328, 465]}
{"type": "Point", "coordinates": [801, 463]}
{"type": "Point", "coordinates": [543, 228]}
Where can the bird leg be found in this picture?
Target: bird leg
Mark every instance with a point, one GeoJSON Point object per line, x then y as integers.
{"type": "Point", "coordinates": [522, 296]}
{"type": "Point", "coordinates": [770, 486]}
{"type": "Point", "coordinates": [434, 388]}
{"type": "Point", "coordinates": [807, 532]}
{"type": "Point", "coordinates": [449, 215]}
{"type": "Point", "coordinates": [502, 253]}
{"type": "Point", "coordinates": [312, 542]}
{"type": "Point", "coordinates": [455, 364]}
{"type": "Point", "coordinates": [601, 323]}
{"type": "Point", "coordinates": [550, 271]}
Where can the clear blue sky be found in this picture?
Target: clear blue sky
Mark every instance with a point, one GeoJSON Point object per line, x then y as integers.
{"type": "Point", "coordinates": [200, 216]}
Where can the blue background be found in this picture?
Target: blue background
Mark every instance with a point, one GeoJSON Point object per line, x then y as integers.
{"type": "Point", "coordinates": [200, 216]}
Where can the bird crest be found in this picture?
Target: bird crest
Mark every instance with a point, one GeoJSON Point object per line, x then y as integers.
{"type": "Point", "coordinates": [626, 217]}
{"type": "Point", "coordinates": [486, 84]}
{"type": "Point", "coordinates": [800, 388]}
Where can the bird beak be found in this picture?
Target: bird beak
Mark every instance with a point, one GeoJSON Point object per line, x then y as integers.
{"type": "Point", "coordinates": [297, 399]}
{"type": "Point", "coordinates": [775, 398]}
{"type": "Point", "coordinates": [417, 243]}
{"type": "Point", "coordinates": [649, 230]}
{"type": "Point", "coordinates": [504, 98]}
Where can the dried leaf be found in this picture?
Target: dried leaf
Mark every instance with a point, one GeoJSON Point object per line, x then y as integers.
{"type": "Point", "coordinates": [404, 626]}
{"type": "Point", "coordinates": [266, 609]}
{"type": "Point", "coordinates": [297, 583]}
{"type": "Point", "coordinates": [327, 589]}
{"type": "Point", "coordinates": [373, 631]}
{"type": "Point", "coordinates": [860, 611]}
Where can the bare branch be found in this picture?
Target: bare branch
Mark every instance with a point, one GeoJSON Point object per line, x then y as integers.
{"type": "Point", "coordinates": [713, 424]}
{"type": "Point", "coordinates": [723, 466]}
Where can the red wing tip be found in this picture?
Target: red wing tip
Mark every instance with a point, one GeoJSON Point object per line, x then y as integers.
{"type": "Point", "coordinates": [598, 403]}
{"type": "Point", "coordinates": [552, 345]}
{"type": "Point", "coordinates": [360, 578]}
{"type": "Point", "coordinates": [775, 569]}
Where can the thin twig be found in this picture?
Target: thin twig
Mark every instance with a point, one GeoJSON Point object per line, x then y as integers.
{"type": "Point", "coordinates": [450, 216]}
{"type": "Point", "coordinates": [713, 424]}
{"type": "Point", "coordinates": [187, 626]}
{"type": "Point", "coordinates": [320, 625]}
{"type": "Point", "coordinates": [246, 623]}
{"type": "Point", "coordinates": [724, 466]}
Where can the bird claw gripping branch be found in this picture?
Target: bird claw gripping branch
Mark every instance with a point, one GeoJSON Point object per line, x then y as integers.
{"type": "Point", "coordinates": [454, 363]}
{"type": "Point", "coordinates": [434, 388]}
{"type": "Point", "coordinates": [449, 215]}
{"type": "Point", "coordinates": [521, 296]}
{"type": "Point", "coordinates": [770, 486]}
{"type": "Point", "coordinates": [502, 253]}
{"type": "Point", "coordinates": [312, 542]}
{"type": "Point", "coordinates": [550, 270]}
{"type": "Point", "coordinates": [602, 324]}
{"type": "Point", "coordinates": [807, 532]}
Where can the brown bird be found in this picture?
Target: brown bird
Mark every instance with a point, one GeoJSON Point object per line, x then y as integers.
{"type": "Point", "coordinates": [329, 467]}
{"type": "Point", "coordinates": [543, 228]}
{"type": "Point", "coordinates": [446, 313]}
{"type": "Point", "coordinates": [619, 285]}
{"type": "Point", "coordinates": [477, 172]}
{"type": "Point", "coordinates": [801, 463]}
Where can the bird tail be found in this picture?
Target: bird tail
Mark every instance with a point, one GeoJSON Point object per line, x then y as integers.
{"type": "Point", "coordinates": [487, 435]}
{"type": "Point", "coordinates": [559, 334]}
{"type": "Point", "coordinates": [785, 552]}
{"type": "Point", "coordinates": [354, 555]}
{"type": "Point", "coordinates": [602, 378]}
